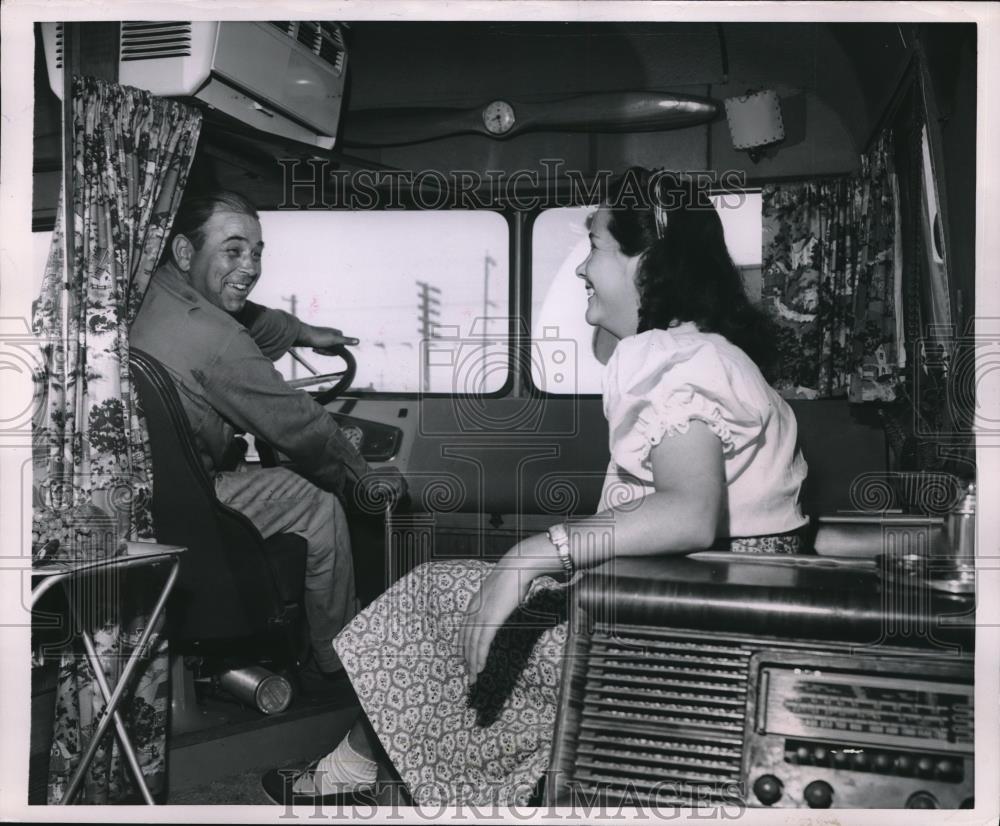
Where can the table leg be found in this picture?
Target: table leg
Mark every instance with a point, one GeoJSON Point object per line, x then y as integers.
{"type": "Point", "coordinates": [95, 664]}
{"type": "Point", "coordinates": [111, 704]}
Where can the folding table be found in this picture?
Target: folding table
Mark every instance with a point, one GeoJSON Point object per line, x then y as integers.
{"type": "Point", "coordinates": [45, 575]}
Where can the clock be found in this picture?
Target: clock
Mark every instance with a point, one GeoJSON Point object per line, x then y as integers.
{"type": "Point", "coordinates": [498, 117]}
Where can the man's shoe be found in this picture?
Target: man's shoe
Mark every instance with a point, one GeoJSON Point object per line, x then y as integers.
{"type": "Point", "coordinates": [278, 785]}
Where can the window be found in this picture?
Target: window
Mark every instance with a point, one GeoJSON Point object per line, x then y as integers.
{"type": "Point", "coordinates": [426, 292]}
{"type": "Point", "coordinates": [381, 276]}
{"type": "Point", "coordinates": [559, 300]}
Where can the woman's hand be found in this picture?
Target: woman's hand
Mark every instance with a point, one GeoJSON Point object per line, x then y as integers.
{"type": "Point", "coordinates": [502, 591]}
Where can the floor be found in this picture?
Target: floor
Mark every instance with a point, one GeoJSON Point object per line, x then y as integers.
{"type": "Point", "coordinates": [221, 761]}
{"type": "Point", "coordinates": [242, 788]}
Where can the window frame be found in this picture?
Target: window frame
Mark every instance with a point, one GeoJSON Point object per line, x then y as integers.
{"type": "Point", "coordinates": [509, 217]}
{"type": "Point", "coordinates": [532, 216]}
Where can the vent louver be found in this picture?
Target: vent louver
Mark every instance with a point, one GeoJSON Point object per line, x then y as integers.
{"type": "Point", "coordinates": [143, 40]}
{"type": "Point", "coordinates": [325, 40]}
{"type": "Point", "coordinates": [662, 718]}
{"type": "Point", "coordinates": [152, 41]}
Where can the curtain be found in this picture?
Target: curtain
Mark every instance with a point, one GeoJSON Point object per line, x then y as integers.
{"type": "Point", "coordinates": [829, 282]}
{"type": "Point", "coordinates": [131, 154]}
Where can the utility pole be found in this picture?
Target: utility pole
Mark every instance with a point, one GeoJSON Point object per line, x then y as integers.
{"type": "Point", "coordinates": [487, 263]}
{"type": "Point", "coordinates": [428, 302]}
{"type": "Point", "coordinates": [293, 303]}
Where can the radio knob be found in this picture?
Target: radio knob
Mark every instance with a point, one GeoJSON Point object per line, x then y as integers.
{"type": "Point", "coordinates": [904, 764]}
{"type": "Point", "coordinates": [861, 762]}
{"type": "Point", "coordinates": [803, 756]}
{"type": "Point", "coordinates": [818, 794]}
{"type": "Point", "coordinates": [921, 800]}
{"type": "Point", "coordinates": [768, 789]}
{"type": "Point", "coordinates": [883, 762]}
{"type": "Point", "coordinates": [947, 769]}
{"type": "Point", "coordinates": [821, 755]}
{"type": "Point", "coordinates": [839, 758]}
{"type": "Point", "coordinates": [925, 767]}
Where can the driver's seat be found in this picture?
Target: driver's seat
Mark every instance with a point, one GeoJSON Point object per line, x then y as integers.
{"type": "Point", "coordinates": [233, 584]}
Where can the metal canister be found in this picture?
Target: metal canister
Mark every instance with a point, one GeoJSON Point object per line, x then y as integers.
{"type": "Point", "coordinates": [270, 693]}
{"type": "Point", "coordinates": [961, 529]}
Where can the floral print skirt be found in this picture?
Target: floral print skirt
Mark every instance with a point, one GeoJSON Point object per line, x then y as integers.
{"type": "Point", "coordinates": [451, 744]}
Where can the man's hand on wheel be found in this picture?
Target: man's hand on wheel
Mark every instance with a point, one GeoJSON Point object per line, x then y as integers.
{"type": "Point", "coordinates": [385, 486]}
{"type": "Point", "coordinates": [324, 340]}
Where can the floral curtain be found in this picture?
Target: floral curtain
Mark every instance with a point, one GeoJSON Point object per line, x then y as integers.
{"type": "Point", "coordinates": [830, 281]}
{"type": "Point", "coordinates": [131, 153]}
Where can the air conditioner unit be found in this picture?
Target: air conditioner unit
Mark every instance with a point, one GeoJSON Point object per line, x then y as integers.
{"type": "Point", "coordinates": [286, 78]}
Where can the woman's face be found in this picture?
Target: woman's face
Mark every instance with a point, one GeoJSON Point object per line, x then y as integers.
{"type": "Point", "coordinates": [612, 294]}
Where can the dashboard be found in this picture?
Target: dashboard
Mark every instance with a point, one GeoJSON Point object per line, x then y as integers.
{"type": "Point", "coordinates": [375, 441]}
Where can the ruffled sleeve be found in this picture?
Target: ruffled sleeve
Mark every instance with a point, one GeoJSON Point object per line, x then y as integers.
{"type": "Point", "coordinates": [659, 382]}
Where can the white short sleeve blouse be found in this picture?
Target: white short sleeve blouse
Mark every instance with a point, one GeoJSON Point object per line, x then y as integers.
{"type": "Point", "coordinates": [657, 382]}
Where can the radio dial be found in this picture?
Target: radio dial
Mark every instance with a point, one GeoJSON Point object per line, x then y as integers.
{"type": "Point", "coordinates": [818, 794]}
{"type": "Point", "coordinates": [768, 789]}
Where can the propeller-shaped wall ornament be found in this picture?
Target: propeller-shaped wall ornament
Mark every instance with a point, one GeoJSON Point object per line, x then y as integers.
{"type": "Point", "coordinates": [597, 112]}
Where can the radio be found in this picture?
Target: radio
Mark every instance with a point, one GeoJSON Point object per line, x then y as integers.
{"type": "Point", "coordinates": [845, 731]}
{"type": "Point", "coordinates": [725, 680]}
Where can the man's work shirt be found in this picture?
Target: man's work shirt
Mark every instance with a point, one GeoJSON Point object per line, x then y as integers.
{"type": "Point", "coordinates": [226, 380]}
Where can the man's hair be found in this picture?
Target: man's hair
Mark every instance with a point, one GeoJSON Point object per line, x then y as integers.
{"type": "Point", "coordinates": [195, 210]}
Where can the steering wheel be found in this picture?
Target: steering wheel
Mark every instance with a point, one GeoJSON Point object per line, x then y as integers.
{"type": "Point", "coordinates": [343, 378]}
{"type": "Point", "coordinates": [268, 457]}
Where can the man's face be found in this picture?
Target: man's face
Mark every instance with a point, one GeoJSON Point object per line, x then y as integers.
{"type": "Point", "coordinates": [227, 266]}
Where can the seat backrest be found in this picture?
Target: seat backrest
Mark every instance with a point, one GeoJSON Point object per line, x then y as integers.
{"type": "Point", "coordinates": [225, 588]}
{"type": "Point", "coordinates": [843, 444]}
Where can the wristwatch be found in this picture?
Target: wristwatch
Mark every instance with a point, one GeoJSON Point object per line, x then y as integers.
{"type": "Point", "coordinates": [560, 539]}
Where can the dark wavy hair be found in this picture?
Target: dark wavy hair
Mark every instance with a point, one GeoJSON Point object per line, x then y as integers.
{"type": "Point", "coordinates": [686, 272]}
{"type": "Point", "coordinates": [195, 210]}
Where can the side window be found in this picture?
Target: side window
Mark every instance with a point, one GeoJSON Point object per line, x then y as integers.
{"type": "Point", "coordinates": [426, 292]}
{"type": "Point", "coordinates": [559, 300]}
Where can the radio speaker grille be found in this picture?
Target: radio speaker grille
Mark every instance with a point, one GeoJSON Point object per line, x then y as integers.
{"type": "Point", "coordinates": [659, 716]}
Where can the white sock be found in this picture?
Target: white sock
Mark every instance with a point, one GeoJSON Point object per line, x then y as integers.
{"type": "Point", "coordinates": [342, 770]}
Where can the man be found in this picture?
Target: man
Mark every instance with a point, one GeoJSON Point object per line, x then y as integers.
{"type": "Point", "coordinates": [219, 347]}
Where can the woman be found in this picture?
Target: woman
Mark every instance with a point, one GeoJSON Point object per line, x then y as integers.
{"type": "Point", "coordinates": [701, 447]}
